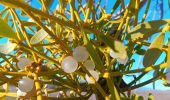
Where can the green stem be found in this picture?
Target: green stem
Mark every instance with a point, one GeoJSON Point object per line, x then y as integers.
{"type": "Point", "coordinates": [38, 87]}
{"type": "Point", "coordinates": [136, 12]}
{"type": "Point", "coordinates": [147, 69]}
{"type": "Point", "coordinates": [8, 62]}
{"type": "Point", "coordinates": [113, 90]}
{"type": "Point", "coordinates": [24, 32]}
{"type": "Point", "coordinates": [138, 78]}
{"type": "Point", "coordinates": [40, 54]}
{"type": "Point", "coordinates": [146, 11]}
{"type": "Point", "coordinates": [142, 84]}
{"type": "Point", "coordinates": [58, 40]}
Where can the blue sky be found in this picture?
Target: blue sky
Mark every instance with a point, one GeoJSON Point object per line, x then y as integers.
{"type": "Point", "coordinates": [153, 14]}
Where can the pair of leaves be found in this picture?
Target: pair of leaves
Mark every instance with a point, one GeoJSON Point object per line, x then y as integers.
{"type": "Point", "coordinates": [154, 51]}
{"type": "Point", "coordinates": [146, 29]}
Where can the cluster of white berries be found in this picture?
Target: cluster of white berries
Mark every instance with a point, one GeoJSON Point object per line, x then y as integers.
{"type": "Point", "coordinates": [25, 84]}
{"type": "Point", "coordinates": [70, 63]}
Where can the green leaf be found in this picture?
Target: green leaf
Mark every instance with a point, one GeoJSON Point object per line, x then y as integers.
{"type": "Point", "coordinates": [38, 37]}
{"type": "Point", "coordinates": [6, 30]}
{"type": "Point", "coordinates": [113, 90]}
{"type": "Point", "coordinates": [151, 56]}
{"type": "Point", "coordinates": [146, 29]}
{"type": "Point", "coordinates": [158, 42]}
{"type": "Point", "coordinates": [7, 48]}
{"type": "Point", "coordinates": [154, 51]}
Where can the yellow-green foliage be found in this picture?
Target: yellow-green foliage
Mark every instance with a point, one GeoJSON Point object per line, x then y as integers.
{"type": "Point", "coordinates": [50, 36]}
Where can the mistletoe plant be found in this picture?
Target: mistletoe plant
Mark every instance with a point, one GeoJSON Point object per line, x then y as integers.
{"type": "Point", "coordinates": [78, 50]}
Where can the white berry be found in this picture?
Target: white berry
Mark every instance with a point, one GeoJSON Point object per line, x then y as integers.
{"type": "Point", "coordinates": [69, 64]}
{"type": "Point", "coordinates": [80, 54]}
{"type": "Point", "coordinates": [95, 76]}
{"type": "Point", "coordinates": [119, 52]}
{"type": "Point", "coordinates": [20, 93]}
{"type": "Point", "coordinates": [89, 64]}
{"type": "Point", "coordinates": [26, 84]}
{"type": "Point", "coordinates": [122, 61]}
{"type": "Point", "coordinates": [113, 54]}
{"type": "Point", "coordinates": [24, 62]}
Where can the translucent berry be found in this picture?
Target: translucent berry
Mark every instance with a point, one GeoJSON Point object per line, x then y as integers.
{"type": "Point", "coordinates": [114, 54]}
{"type": "Point", "coordinates": [95, 76]}
{"type": "Point", "coordinates": [20, 93]}
{"type": "Point", "coordinates": [23, 62]}
{"type": "Point", "coordinates": [69, 64]}
{"type": "Point", "coordinates": [26, 84]}
{"type": "Point", "coordinates": [122, 61]}
{"type": "Point", "coordinates": [119, 52]}
{"type": "Point", "coordinates": [89, 64]}
{"type": "Point", "coordinates": [80, 54]}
